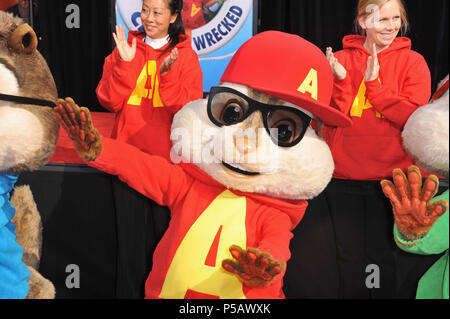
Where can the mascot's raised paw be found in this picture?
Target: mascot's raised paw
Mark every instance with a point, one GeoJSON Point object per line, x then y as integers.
{"type": "Point", "coordinates": [414, 213]}
{"type": "Point", "coordinates": [77, 122]}
{"type": "Point", "coordinates": [421, 219]}
{"type": "Point", "coordinates": [255, 268]}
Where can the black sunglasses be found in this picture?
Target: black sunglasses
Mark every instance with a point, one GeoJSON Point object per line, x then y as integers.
{"type": "Point", "coordinates": [285, 125]}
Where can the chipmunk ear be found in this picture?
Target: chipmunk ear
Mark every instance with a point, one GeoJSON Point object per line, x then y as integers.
{"type": "Point", "coordinates": [23, 40]}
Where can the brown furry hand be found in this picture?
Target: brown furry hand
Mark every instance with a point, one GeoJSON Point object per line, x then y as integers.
{"type": "Point", "coordinates": [77, 122]}
{"type": "Point", "coordinates": [413, 212]}
{"type": "Point", "coordinates": [256, 269]}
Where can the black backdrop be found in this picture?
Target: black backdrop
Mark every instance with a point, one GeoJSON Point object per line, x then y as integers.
{"type": "Point", "coordinates": [76, 55]}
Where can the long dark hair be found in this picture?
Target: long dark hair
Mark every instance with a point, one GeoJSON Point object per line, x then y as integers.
{"type": "Point", "coordinates": [176, 28]}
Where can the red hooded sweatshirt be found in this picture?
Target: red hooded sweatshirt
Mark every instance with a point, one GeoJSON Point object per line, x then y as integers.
{"type": "Point", "coordinates": [145, 101]}
{"type": "Point", "coordinates": [372, 147]}
{"type": "Point", "coordinates": [206, 219]}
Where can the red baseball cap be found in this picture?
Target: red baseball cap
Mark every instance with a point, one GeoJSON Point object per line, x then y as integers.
{"type": "Point", "coordinates": [290, 68]}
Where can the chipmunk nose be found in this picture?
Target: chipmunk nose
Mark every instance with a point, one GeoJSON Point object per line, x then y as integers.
{"type": "Point", "coordinates": [23, 40]}
{"type": "Point", "coordinates": [245, 145]}
{"type": "Point", "coordinates": [246, 138]}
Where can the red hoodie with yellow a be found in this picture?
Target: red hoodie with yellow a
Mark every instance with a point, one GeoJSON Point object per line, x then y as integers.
{"type": "Point", "coordinates": [206, 219]}
{"type": "Point", "coordinates": [372, 147]}
{"type": "Point", "coordinates": [144, 100]}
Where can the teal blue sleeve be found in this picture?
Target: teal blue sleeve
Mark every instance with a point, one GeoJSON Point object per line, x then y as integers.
{"type": "Point", "coordinates": [14, 274]}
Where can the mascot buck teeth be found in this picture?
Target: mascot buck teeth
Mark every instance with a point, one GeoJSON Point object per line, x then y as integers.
{"type": "Point", "coordinates": [421, 221]}
{"type": "Point", "coordinates": [28, 135]}
{"type": "Point", "coordinates": [248, 159]}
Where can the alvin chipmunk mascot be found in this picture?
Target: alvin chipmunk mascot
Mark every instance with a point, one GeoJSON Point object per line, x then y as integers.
{"type": "Point", "coordinates": [421, 221]}
{"type": "Point", "coordinates": [28, 135]}
{"type": "Point", "coordinates": [249, 160]}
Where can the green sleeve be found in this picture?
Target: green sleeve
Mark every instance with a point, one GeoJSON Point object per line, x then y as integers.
{"type": "Point", "coordinates": [434, 242]}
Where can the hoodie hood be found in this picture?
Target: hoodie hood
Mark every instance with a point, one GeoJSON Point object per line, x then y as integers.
{"type": "Point", "coordinates": [295, 209]}
{"type": "Point", "coordinates": [357, 42]}
{"type": "Point", "coordinates": [185, 41]}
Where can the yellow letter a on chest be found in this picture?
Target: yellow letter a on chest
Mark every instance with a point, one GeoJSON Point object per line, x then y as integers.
{"type": "Point", "coordinates": [362, 103]}
{"type": "Point", "coordinates": [224, 217]}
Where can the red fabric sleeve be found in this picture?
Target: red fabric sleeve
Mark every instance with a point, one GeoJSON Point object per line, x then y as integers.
{"type": "Point", "coordinates": [416, 91]}
{"type": "Point", "coordinates": [276, 235]}
{"type": "Point", "coordinates": [343, 95]}
{"type": "Point", "coordinates": [182, 84]}
{"type": "Point", "coordinates": [152, 176]}
{"type": "Point", "coordinates": [275, 238]}
{"type": "Point", "coordinates": [117, 83]}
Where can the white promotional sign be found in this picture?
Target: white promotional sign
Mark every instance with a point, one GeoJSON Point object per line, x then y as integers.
{"type": "Point", "coordinates": [222, 28]}
{"type": "Point", "coordinates": [130, 12]}
{"type": "Point", "coordinates": [207, 38]}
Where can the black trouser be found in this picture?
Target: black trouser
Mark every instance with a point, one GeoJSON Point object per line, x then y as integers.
{"type": "Point", "coordinates": [141, 223]}
{"type": "Point", "coordinates": [344, 248]}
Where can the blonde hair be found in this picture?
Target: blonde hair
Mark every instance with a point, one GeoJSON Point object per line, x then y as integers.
{"type": "Point", "coordinates": [362, 12]}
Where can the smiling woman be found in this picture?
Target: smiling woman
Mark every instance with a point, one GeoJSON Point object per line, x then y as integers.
{"type": "Point", "coordinates": [381, 24]}
{"type": "Point", "coordinates": [379, 82]}
{"type": "Point", "coordinates": [146, 79]}
{"type": "Point", "coordinates": [376, 13]}
{"type": "Point", "coordinates": [156, 18]}
{"type": "Point", "coordinates": [161, 55]}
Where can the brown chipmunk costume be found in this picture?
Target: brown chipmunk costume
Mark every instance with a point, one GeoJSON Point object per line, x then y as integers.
{"type": "Point", "coordinates": [28, 135]}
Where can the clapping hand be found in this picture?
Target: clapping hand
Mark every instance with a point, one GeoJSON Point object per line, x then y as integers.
{"type": "Point", "coordinates": [338, 69]}
{"type": "Point", "coordinates": [126, 51]}
{"type": "Point", "coordinates": [373, 67]}
{"type": "Point", "coordinates": [166, 65]}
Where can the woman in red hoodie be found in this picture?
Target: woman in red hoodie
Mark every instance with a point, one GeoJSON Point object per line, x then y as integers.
{"type": "Point", "coordinates": [379, 83]}
{"type": "Point", "coordinates": [150, 76]}
{"type": "Point", "coordinates": [145, 81]}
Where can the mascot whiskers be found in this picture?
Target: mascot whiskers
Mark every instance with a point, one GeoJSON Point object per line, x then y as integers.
{"type": "Point", "coordinates": [421, 221]}
{"type": "Point", "coordinates": [28, 135]}
{"type": "Point", "coordinates": [247, 161]}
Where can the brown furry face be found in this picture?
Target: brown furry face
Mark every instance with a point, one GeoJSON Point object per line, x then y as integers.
{"type": "Point", "coordinates": [28, 133]}
{"type": "Point", "coordinates": [18, 53]}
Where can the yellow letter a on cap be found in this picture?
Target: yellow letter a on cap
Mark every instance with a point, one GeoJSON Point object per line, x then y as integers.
{"type": "Point", "coordinates": [310, 84]}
